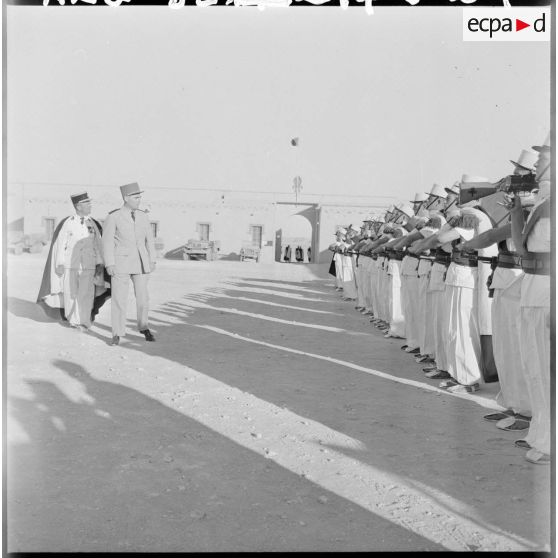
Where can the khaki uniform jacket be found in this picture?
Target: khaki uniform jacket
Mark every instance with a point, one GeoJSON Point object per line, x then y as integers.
{"type": "Point", "coordinates": [128, 245]}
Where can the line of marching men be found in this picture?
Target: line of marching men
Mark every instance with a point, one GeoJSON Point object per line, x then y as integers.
{"type": "Point", "coordinates": [470, 295]}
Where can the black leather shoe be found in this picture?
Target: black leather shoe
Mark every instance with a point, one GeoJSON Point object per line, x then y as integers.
{"type": "Point", "coordinates": [115, 340]}
{"type": "Point", "coordinates": [148, 335]}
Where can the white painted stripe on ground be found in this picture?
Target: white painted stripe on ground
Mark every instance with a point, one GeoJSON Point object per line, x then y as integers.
{"type": "Point", "coordinates": [487, 403]}
{"type": "Point", "coordinates": [277, 304]}
{"type": "Point", "coordinates": [311, 449]}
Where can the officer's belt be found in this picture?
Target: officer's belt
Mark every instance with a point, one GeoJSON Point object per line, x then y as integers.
{"type": "Point", "coordinates": [536, 263]}
{"type": "Point", "coordinates": [429, 258]}
{"type": "Point", "coordinates": [509, 261]}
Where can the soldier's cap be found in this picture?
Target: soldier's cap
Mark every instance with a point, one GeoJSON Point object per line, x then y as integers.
{"type": "Point", "coordinates": [545, 146]}
{"type": "Point", "coordinates": [438, 192]}
{"type": "Point", "coordinates": [526, 160]}
{"type": "Point", "coordinates": [420, 197]}
{"type": "Point", "coordinates": [341, 231]}
{"type": "Point", "coordinates": [454, 189]}
{"type": "Point", "coordinates": [130, 189]}
{"type": "Point", "coordinates": [83, 197]}
{"type": "Point", "coordinates": [406, 209]}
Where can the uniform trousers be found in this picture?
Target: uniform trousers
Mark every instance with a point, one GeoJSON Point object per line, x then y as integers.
{"type": "Point", "coordinates": [535, 356]}
{"type": "Point", "coordinates": [384, 293]}
{"type": "Point", "coordinates": [506, 343]}
{"type": "Point", "coordinates": [440, 314]}
{"type": "Point", "coordinates": [338, 270]}
{"type": "Point", "coordinates": [396, 319]}
{"type": "Point", "coordinates": [79, 292]}
{"type": "Point", "coordinates": [422, 325]}
{"type": "Point", "coordinates": [349, 284]}
{"type": "Point", "coordinates": [119, 303]}
{"type": "Point", "coordinates": [374, 278]}
{"type": "Point", "coordinates": [366, 264]}
{"type": "Point", "coordinates": [410, 287]}
{"type": "Point", "coordinates": [359, 280]}
{"type": "Point", "coordinates": [463, 337]}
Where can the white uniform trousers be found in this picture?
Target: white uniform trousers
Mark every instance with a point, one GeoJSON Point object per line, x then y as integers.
{"type": "Point", "coordinates": [535, 355]}
{"type": "Point", "coordinates": [421, 315]}
{"type": "Point", "coordinates": [506, 342]}
{"type": "Point", "coordinates": [440, 314]}
{"type": "Point", "coordinates": [428, 324]}
{"type": "Point", "coordinates": [79, 292]}
{"type": "Point", "coordinates": [349, 285]}
{"type": "Point", "coordinates": [396, 319]}
{"type": "Point", "coordinates": [372, 286]}
{"type": "Point", "coordinates": [359, 280]}
{"type": "Point", "coordinates": [119, 301]}
{"type": "Point", "coordinates": [410, 310]}
{"type": "Point", "coordinates": [338, 270]}
{"type": "Point", "coordinates": [365, 265]}
{"type": "Point", "coordinates": [384, 294]}
{"type": "Point", "coordinates": [463, 337]}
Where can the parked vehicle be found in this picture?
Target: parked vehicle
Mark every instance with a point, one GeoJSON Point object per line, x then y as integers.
{"type": "Point", "coordinates": [19, 242]}
{"type": "Point", "coordinates": [200, 250]}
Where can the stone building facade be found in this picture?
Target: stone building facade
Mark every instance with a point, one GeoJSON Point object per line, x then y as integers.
{"type": "Point", "coordinates": [232, 218]}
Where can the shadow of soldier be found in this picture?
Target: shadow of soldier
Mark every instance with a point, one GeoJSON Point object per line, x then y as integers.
{"type": "Point", "coordinates": [115, 470]}
{"type": "Point", "coordinates": [33, 311]}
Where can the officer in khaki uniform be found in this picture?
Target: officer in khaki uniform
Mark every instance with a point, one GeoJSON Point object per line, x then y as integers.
{"type": "Point", "coordinates": [129, 252]}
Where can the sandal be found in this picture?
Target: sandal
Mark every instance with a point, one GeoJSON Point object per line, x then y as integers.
{"type": "Point", "coordinates": [494, 417]}
{"type": "Point", "coordinates": [537, 457]}
{"type": "Point", "coordinates": [438, 375]}
{"type": "Point", "coordinates": [464, 389]}
{"type": "Point", "coordinates": [447, 384]}
{"type": "Point", "coordinates": [512, 424]}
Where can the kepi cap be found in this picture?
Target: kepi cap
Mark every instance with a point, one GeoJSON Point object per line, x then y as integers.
{"type": "Point", "coordinates": [545, 146]}
{"type": "Point", "coordinates": [406, 209]}
{"type": "Point", "coordinates": [76, 198]}
{"type": "Point", "coordinates": [420, 197]}
{"type": "Point", "coordinates": [130, 189]}
{"type": "Point", "coordinates": [453, 189]}
{"type": "Point", "coordinates": [526, 160]}
{"type": "Point", "coordinates": [438, 191]}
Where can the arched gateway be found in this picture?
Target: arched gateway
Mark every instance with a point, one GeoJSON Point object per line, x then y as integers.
{"type": "Point", "coordinates": [296, 232]}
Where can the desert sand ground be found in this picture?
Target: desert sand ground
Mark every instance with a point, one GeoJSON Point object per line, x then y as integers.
{"type": "Point", "coordinates": [268, 416]}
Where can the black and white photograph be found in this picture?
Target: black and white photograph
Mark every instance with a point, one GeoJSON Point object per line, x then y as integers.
{"type": "Point", "coordinates": [278, 276]}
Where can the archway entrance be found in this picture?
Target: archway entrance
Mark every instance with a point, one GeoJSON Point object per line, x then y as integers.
{"type": "Point", "coordinates": [295, 239]}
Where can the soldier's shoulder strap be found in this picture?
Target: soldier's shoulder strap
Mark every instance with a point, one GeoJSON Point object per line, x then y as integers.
{"type": "Point", "coordinates": [114, 210]}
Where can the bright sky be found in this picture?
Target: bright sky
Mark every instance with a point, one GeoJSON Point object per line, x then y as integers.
{"type": "Point", "coordinates": [210, 97]}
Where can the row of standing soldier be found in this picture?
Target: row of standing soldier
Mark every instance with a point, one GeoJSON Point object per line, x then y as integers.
{"type": "Point", "coordinates": [470, 295]}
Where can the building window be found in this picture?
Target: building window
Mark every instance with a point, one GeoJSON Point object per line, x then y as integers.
{"type": "Point", "coordinates": [203, 230]}
{"type": "Point", "coordinates": [155, 229]}
{"type": "Point", "coordinates": [50, 225]}
{"type": "Point", "coordinates": [256, 234]}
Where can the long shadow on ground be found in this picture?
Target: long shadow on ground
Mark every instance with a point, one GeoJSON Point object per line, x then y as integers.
{"type": "Point", "coordinates": [123, 472]}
